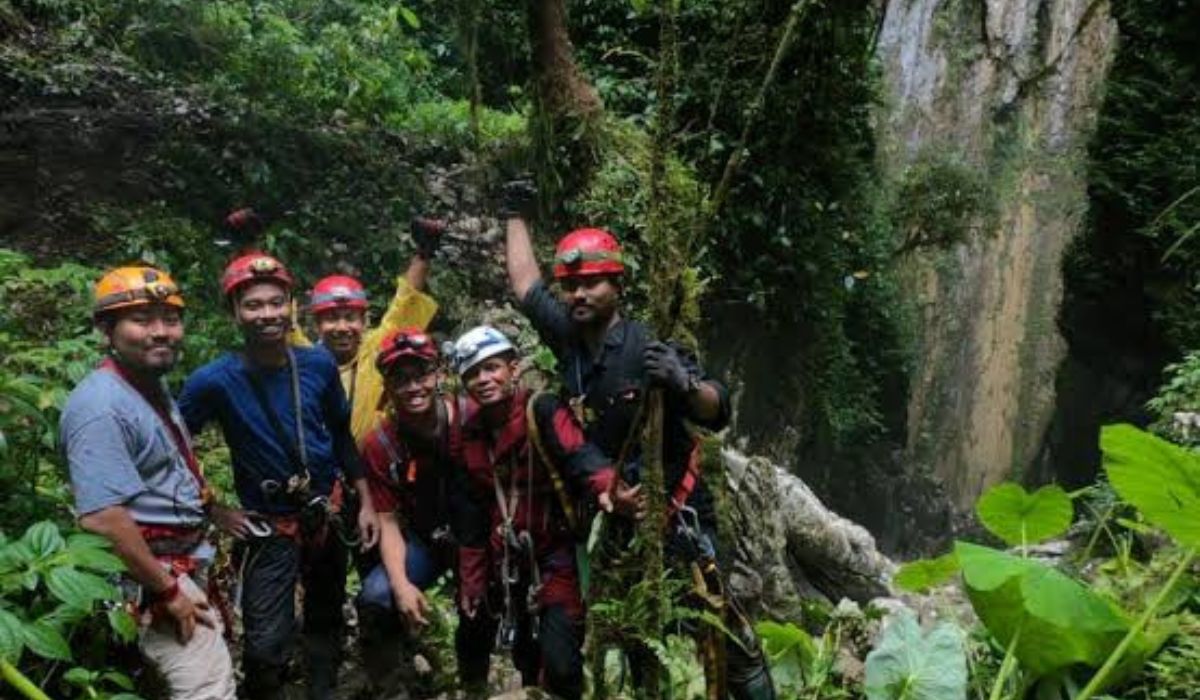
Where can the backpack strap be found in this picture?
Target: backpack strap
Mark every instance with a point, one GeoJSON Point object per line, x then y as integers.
{"type": "Point", "coordinates": [539, 447]}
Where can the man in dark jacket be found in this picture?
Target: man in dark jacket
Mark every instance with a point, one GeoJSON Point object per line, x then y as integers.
{"type": "Point", "coordinates": [608, 363]}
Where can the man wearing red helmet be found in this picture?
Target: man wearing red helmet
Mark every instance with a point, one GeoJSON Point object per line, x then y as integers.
{"type": "Point", "coordinates": [285, 419]}
{"type": "Point", "coordinates": [414, 486]}
{"type": "Point", "coordinates": [608, 363]}
{"type": "Point", "coordinates": [339, 306]}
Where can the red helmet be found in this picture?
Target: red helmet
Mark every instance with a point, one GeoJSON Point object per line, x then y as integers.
{"type": "Point", "coordinates": [402, 343]}
{"type": "Point", "coordinates": [254, 267]}
{"type": "Point", "coordinates": [588, 251]}
{"type": "Point", "coordinates": [337, 290]}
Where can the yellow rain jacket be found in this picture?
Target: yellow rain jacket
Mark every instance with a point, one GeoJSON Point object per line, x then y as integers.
{"type": "Point", "coordinates": [362, 382]}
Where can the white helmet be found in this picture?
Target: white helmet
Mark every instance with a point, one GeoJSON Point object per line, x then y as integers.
{"type": "Point", "coordinates": [477, 345]}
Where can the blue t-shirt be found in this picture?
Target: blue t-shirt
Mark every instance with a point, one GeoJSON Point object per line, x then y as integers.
{"type": "Point", "coordinates": [221, 391]}
{"type": "Point", "coordinates": [120, 452]}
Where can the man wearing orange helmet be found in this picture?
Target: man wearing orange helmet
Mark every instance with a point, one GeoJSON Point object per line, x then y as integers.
{"type": "Point", "coordinates": [339, 306]}
{"type": "Point", "coordinates": [137, 482]}
{"type": "Point", "coordinates": [608, 363]}
{"type": "Point", "coordinates": [286, 421]}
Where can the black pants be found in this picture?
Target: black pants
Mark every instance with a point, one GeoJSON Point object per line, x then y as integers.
{"type": "Point", "coordinates": [272, 568]}
{"type": "Point", "coordinates": [553, 657]}
{"type": "Point", "coordinates": [746, 674]}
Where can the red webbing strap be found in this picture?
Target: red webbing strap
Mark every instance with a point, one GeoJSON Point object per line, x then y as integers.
{"type": "Point", "coordinates": [687, 482]}
{"type": "Point", "coordinates": [181, 442]}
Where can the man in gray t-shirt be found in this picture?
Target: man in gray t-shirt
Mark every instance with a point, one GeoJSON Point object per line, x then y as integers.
{"type": "Point", "coordinates": [137, 482]}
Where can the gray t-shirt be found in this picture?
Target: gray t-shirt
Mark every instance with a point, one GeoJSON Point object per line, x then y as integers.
{"type": "Point", "coordinates": [121, 453]}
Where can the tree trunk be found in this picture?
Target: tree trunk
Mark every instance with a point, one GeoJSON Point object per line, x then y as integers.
{"type": "Point", "coordinates": [561, 86]}
{"type": "Point", "coordinates": [566, 122]}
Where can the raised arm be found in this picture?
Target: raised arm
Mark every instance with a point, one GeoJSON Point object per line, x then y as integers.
{"type": "Point", "coordinates": [427, 235]}
{"type": "Point", "coordinates": [522, 265]}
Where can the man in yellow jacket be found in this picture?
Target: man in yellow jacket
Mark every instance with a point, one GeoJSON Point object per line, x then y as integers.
{"type": "Point", "coordinates": [339, 304]}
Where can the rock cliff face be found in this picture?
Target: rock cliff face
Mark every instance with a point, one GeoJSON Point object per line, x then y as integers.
{"type": "Point", "coordinates": [987, 108]}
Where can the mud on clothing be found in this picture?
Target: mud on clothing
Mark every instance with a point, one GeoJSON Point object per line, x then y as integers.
{"type": "Point", "coordinates": [612, 385]}
{"type": "Point", "coordinates": [221, 391]}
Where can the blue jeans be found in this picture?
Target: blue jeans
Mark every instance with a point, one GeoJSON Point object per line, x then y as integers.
{"type": "Point", "coordinates": [422, 566]}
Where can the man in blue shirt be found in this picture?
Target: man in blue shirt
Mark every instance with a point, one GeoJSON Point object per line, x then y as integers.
{"type": "Point", "coordinates": [285, 418]}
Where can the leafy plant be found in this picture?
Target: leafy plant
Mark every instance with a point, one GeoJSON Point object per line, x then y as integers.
{"type": "Point", "coordinates": [909, 665]}
{"type": "Point", "coordinates": [1047, 622]}
{"type": "Point", "coordinates": [806, 667]}
{"type": "Point", "coordinates": [1020, 518]}
{"type": "Point", "coordinates": [50, 585]}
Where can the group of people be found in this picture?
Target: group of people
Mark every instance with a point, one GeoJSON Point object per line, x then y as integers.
{"type": "Point", "coordinates": [355, 447]}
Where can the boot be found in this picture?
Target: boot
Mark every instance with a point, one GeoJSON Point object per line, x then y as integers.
{"type": "Point", "coordinates": [385, 650]}
{"type": "Point", "coordinates": [323, 652]}
{"type": "Point", "coordinates": [747, 676]}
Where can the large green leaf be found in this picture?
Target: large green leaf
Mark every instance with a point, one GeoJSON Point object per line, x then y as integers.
{"type": "Point", "coordinates": [122, 624]}
{"type": "Point", "coordinates": [78, 589]}
{"type": "Point", "coordinates": [920, 575]}
{"type": "Point", "coordinates": [907, 665]}
{"type": "Point", "coordinates": [46, 641]}
{"type": "Point", "coordinates": [1022, 518]}
{"type": "Point", "coordinates": [1160, 479]}
{"type": "Point", "coordinates": [790, 649]}
{"type": "Point", "coordinates": [12, 640]}
{"type": "Point", "coordinates": [1062, 622]}
{"type": "Point", "coordinates": [95, 559]}
{"type": "Point", "coordinates": [44, 539]}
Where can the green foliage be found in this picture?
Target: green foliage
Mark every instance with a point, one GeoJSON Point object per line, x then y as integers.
{"type": "Point", "coordinates": [909, 665]}
{"type": "Point", "coordinates": [1180, 394]}
{"type": "Point", "coordinates": [940, 201]}
{"type": "Point", "coordinates": [800, 665]}
{"type": "Point", "coordinates": [1061, 622]}
{"type": "Point", "coordinates": [1175, 673]}
{"type": "Point", "coordinates": [1160, 479]}
{"type": "Point", "coordinates": [449, 122]}
{"type": "Point", "coordinates": [920, 575]}
{"type": "Point", "coordinates": [49, 585]}
{"type": "Point", "coordinates": [1051, 624]}
{"type": "Point", "coordinates": [1020, 518]}
{"type": "Point", "coordinates": [46, 346]}
{"type": "Point", "coordinates": [1145, 156]}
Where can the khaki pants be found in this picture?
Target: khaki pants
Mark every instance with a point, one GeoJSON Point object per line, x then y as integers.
{"type": "Point", "coordinates": [201, 669]}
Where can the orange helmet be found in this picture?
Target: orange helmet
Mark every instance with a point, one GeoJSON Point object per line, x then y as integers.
{"type": "Point", "coordinates": [588, 251]}
{"type": "Point", "coordinates": [337, 291]}
{"type": "Point", "coordinates": [134, 285]}
{"type": "Point", "coordinates": [254, 267]}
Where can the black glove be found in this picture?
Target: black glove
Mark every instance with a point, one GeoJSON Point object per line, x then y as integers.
{"type": "Point", "coordinates": [427, 234]}
{"type": "Point", "coordinates": [665, 368]}
{"type": "Point", "coordinates": [520, 197]}
{"type": "Point", "coordinates": [242, 228]}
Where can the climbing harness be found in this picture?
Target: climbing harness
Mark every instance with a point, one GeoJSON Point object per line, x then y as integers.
{"type": "Point", "coordinates": [316, 511]}
{"type": "Point", "coordinates": [514, 545]}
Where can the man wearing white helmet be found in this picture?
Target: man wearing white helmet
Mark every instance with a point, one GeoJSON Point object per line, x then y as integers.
{"type": "Point", "coordinates": [525, 456]}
